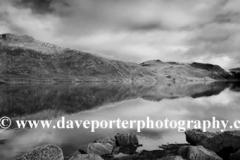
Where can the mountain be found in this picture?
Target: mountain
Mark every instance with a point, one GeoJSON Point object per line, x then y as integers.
{"type": "Point", "coordinates": [24, 59]}
{"type": "Point", "coordinates": [215, 71]}
{"type": "Point", "coordinates": [185, 72]}
{"type": "Point", "coordinates": [235, 72]}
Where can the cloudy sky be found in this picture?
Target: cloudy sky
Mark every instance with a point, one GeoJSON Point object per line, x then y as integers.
{"type": "Point", "coordinates": [133, 30]}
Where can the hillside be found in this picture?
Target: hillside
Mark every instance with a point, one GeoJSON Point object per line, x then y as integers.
{"type": "Point", "coordinates": [214, 71]}
{"type": "Point", "coordinates": [26, 60]}
{"type": "Point", "coordinates": [185, 72]}
{"type": "Point", "coordinates": [235, 73]}
{"type": "Point", "coordinates": [22, 58]}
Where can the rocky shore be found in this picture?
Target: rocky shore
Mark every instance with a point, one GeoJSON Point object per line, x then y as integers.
{"type": "Point", "coordinates": [201, 146]}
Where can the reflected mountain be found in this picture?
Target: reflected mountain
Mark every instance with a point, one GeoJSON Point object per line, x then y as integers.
{"type": "Point", "coordinates": [50, 101]}
{"type": "Point", "coordinates": [175, 90]}
{"type": "Point", "coordinates": [235, 87]}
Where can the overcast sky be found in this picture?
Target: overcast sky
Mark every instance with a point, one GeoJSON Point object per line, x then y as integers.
{"type": "Point", "coordinates": [133, 30]}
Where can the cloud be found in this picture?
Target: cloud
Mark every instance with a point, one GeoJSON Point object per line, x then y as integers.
{"type": "Point", "coordinates": [127, 45]}
{"type": "Point", "coordinates": [136, 30]}
{"type": "Point", "coordinates": [23, 21]}
{"type": "Point", "coordinates": [42, 6]}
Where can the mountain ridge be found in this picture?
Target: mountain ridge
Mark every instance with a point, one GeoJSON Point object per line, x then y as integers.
{"type": "Point", "coordinates": [24, 59]}
{"type": "Point", "coordinates": [187, 71]}
{"type": "Point", "coordinates": [236, 73]}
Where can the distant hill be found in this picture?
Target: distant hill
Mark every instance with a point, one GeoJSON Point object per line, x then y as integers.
{"type": "Point", "coordinates": [22, 58]}
{"type": "Point", "coordinates": [236, 73]}
{"type": "Point", "coordinates": [235, 70]}
{"type": "Point", "coordinates": [184, 71]}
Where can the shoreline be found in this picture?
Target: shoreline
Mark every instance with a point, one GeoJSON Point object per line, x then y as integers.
{"type": "Point", "coordinates": [201, 145]}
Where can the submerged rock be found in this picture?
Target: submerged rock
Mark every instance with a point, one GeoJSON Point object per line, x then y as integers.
{"type": "Point", "coordinates": [97, 148]}
{"type": "Point", "coordinates": [47, 152]}
{"type": "Point", "coordinates": [86, 157]}
{"type": "Point", "coordinates": [126, 139]}
{"type": "Point", "coordinates": [198, 153]}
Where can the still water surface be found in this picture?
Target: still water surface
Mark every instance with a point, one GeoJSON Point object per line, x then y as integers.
{"type": "Point", "coordinates": [192, 101]}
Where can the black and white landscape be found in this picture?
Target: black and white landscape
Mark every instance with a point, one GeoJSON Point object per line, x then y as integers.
{"type": "Point", "coordinates": [108, 59]}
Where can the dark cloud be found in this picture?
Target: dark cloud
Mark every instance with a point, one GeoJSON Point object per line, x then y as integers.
{"type": "Point", "coordinates": [148, 26]}
{"type": "Point", "coordinates": [37, 6]}
{"type": "Point", "coordinates": [223, 18]}
{"type": "Point", "coordinates": [43, 6]}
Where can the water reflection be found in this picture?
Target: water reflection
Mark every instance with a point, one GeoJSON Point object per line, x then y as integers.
{"type": "Point", "coordinates": [22, 101]}
{"type": "Point", "coordinates": [108, 102]}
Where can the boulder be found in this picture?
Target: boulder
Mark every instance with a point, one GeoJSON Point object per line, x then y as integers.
{"type": "Point", "coordinates": [106, 140]}
{"type": "Point", "coordinates": [86, 157]}
{"type": "Point", "coordinates": [47, 152]}
{"type": "Point", "coordinates": [130, 150]}
{"type": "Point", "coordinates": [97, 148]}
{"type": "Point", "coordinates": [221, 143]}
{"type": "Point", "coordinates": [235, 156]}
{"type": "Point", "coordinates": [231, 139]}
{"type": "Point", "coordinates": [183, 151]}
{"type": "Point", "coordinates": [126, 139]}
{"type": "Point", "coordinates": [209, 140]}
{"type": "Point", "coordinates": [198, 153]}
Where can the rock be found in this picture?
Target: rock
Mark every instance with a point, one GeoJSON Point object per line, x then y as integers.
{"type": "Point", "coordinates": [130, 150]}
{"type": "Point", "coordinates": [116, 150]}
{"type": "Point", "coordinates": [126, 139]}
{"type": "Point", "coordinates": [86, 157]}
{"type": "Point", "coordinates": [209, 140]}
{"type": "Point", "coordinates": [231, 139]}
{"type": "Point", "coordinates": [198, 153]}
{"type": "Point", "coordinates": [106, 140]}
{"type": "Point", "coordinates": [235, 156]}
{"type": "Point", "coordinates": [97, 148]}
{"type": "Point", "coordinates": [47, 152]}
{"type": "Point", "coordinates": [172, 158]}
{"type": "Point", "coordinates": [154, 154]}
{"type": "Point", "coordinates": [165, 152]}
{"type": "Point", "coordinates": [220, 143]}
{"type": "Point", "coordinates": [183, 151]}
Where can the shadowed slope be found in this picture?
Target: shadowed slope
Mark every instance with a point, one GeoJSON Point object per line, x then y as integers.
{"type": "Point", "coordinates": [22, 58]}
